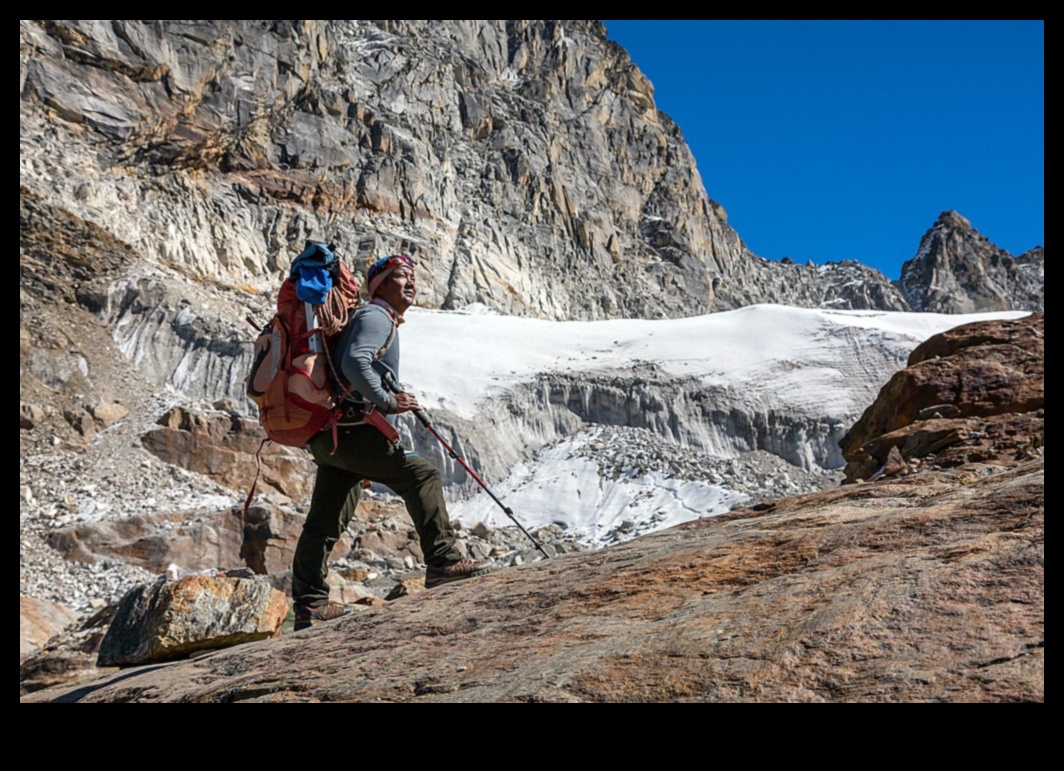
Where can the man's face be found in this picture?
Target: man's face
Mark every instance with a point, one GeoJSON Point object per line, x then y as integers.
{"type": "Point", "coordinates": [399, 290]}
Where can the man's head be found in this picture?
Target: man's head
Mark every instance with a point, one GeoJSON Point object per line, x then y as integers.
{"type": "Point", "coordinates": [392, 280]}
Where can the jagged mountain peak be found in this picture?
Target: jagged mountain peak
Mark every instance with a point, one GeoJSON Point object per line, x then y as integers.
{"type": "Point", "coordinates": [952, 219]}
{"type": "Point", "coordinates": [958, 270]}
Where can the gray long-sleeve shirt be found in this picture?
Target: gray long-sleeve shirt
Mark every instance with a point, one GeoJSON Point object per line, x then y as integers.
{"type": "Point", "coordinates": [356, 346]}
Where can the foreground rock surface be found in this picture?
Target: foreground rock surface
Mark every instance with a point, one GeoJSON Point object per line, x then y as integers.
{"type": "Point", "coordinates": [925, 588]}
{"type": "Point", "coordinates": [69, 657]}
{"type": "Point", "coordinates": [170, 620]}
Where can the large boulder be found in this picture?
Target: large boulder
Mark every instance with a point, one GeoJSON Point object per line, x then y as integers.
{"type": "Point", "coordinates": [170, 620]}
{"type": "Point", "coordinates": [231, 450]}
{"type": "Point", "coordinates": [193, 541]}
{"type": "Point", "coordinates": [974, 393]}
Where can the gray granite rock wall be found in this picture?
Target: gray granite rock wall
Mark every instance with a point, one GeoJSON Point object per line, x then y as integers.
{"type": "Point", "coordinates": [523, 163]}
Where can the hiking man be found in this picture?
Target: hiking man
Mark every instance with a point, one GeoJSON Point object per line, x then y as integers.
{"type": "Point", "coordinates": [366, 351]}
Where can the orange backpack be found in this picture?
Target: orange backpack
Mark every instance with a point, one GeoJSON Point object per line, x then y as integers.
{"type": "Point", "coordinates": [291, 379]}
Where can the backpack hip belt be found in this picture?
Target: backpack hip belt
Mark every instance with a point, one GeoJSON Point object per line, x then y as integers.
{"type": "Point", "coordinates": [366, 414]}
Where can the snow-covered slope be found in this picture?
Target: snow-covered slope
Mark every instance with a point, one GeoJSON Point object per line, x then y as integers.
{"type": "Point", "coordinates": [744, 405]}
{"type": "Point", "coordinates": [807, 360]}
{"type": "Point", "coordinates": [614, 428]}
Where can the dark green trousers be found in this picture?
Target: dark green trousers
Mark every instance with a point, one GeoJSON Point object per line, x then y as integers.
{"type": "Point", "coordinates": [362, 453]}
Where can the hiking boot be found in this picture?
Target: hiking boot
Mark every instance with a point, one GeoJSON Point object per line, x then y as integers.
{"type": "Point", "coordinates": [308, 615]}
{"type": "Point", "coordinates": [437, 575]}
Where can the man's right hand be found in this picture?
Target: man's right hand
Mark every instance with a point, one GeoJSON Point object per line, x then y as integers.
{"type": "Point", "coordinates": [406, 402]}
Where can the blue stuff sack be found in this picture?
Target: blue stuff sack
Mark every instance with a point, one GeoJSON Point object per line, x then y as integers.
{"type": "Point", "coordinates": [313, 284]}
{"type": "Point", "coordinates": [312, 272]}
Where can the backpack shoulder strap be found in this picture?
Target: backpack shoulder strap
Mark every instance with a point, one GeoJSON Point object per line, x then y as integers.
{"type": "Point", "coordinates": [388, 342]}
{"type": "Point", "coordinates": [391, 334]}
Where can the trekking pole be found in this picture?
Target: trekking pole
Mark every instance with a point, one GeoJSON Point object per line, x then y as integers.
{"type": "Point", "coordinates": [392, 386]}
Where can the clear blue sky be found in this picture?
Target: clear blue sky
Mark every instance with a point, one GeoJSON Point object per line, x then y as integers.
{"type": "Point", "coordinates": [840, 140]}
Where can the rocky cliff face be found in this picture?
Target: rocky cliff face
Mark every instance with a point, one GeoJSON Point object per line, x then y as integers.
{"type": "Point", "coordinates": [523, 163]}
